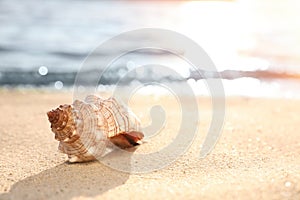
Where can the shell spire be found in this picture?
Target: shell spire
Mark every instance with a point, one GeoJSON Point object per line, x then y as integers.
{"type": "Point", "coordinates": [87, 128]}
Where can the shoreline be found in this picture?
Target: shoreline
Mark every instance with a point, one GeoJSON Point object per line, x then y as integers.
{"type": "Point", "coordinates": [243, 88]}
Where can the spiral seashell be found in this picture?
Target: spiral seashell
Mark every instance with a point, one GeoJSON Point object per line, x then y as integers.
{"type": "Point", "coordinates": [87, 128]}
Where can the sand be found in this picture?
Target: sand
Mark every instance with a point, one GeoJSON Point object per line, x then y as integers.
{"type": "Point", "coordinates": [257, 157]}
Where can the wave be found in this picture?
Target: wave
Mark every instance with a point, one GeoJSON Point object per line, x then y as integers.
{"type": "Point", "coordinates": [16, 77]}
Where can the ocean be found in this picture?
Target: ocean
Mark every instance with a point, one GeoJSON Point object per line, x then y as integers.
{"type": "Point", "coordinates": [254, 44]}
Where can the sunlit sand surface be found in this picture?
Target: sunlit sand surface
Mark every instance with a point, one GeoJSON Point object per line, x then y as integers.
{"type": "Point", "coordinates": [257, 156]}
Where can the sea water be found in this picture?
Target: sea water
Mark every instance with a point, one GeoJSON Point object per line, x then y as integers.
{"type": "Point", "coordinates": [45, 43]}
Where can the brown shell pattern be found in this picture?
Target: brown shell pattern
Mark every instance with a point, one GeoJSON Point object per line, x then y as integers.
{"type": "Point", "coordinates": [87, 128]}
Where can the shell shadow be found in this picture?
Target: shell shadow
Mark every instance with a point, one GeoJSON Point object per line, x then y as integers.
{"type": "Point", "coordinates": [66, 181]}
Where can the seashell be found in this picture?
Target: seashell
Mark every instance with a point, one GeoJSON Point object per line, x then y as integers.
{"type": "Point", "coordinates": [86, 129]}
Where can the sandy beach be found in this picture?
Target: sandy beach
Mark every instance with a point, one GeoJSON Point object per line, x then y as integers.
{"type": "Point", "coordinates": [257, 157]}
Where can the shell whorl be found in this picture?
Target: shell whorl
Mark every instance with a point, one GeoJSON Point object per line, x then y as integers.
{"type": "Point", "coordinates": [85, 127]}
{"type": "Point", "coordinates": [62, 122]}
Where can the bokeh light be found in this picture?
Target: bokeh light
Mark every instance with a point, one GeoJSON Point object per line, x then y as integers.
{"type": "Point", "coordinates": [43, 70]}
{"type": "Point", "coordinates": [58, 85]}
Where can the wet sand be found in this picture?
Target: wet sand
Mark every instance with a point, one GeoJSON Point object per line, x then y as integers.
{"type": "Point", "coordinates": [257, 157]}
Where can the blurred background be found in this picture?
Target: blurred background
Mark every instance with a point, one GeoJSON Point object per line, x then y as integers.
{"type": "Point", "coordinates": [255, 44]}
